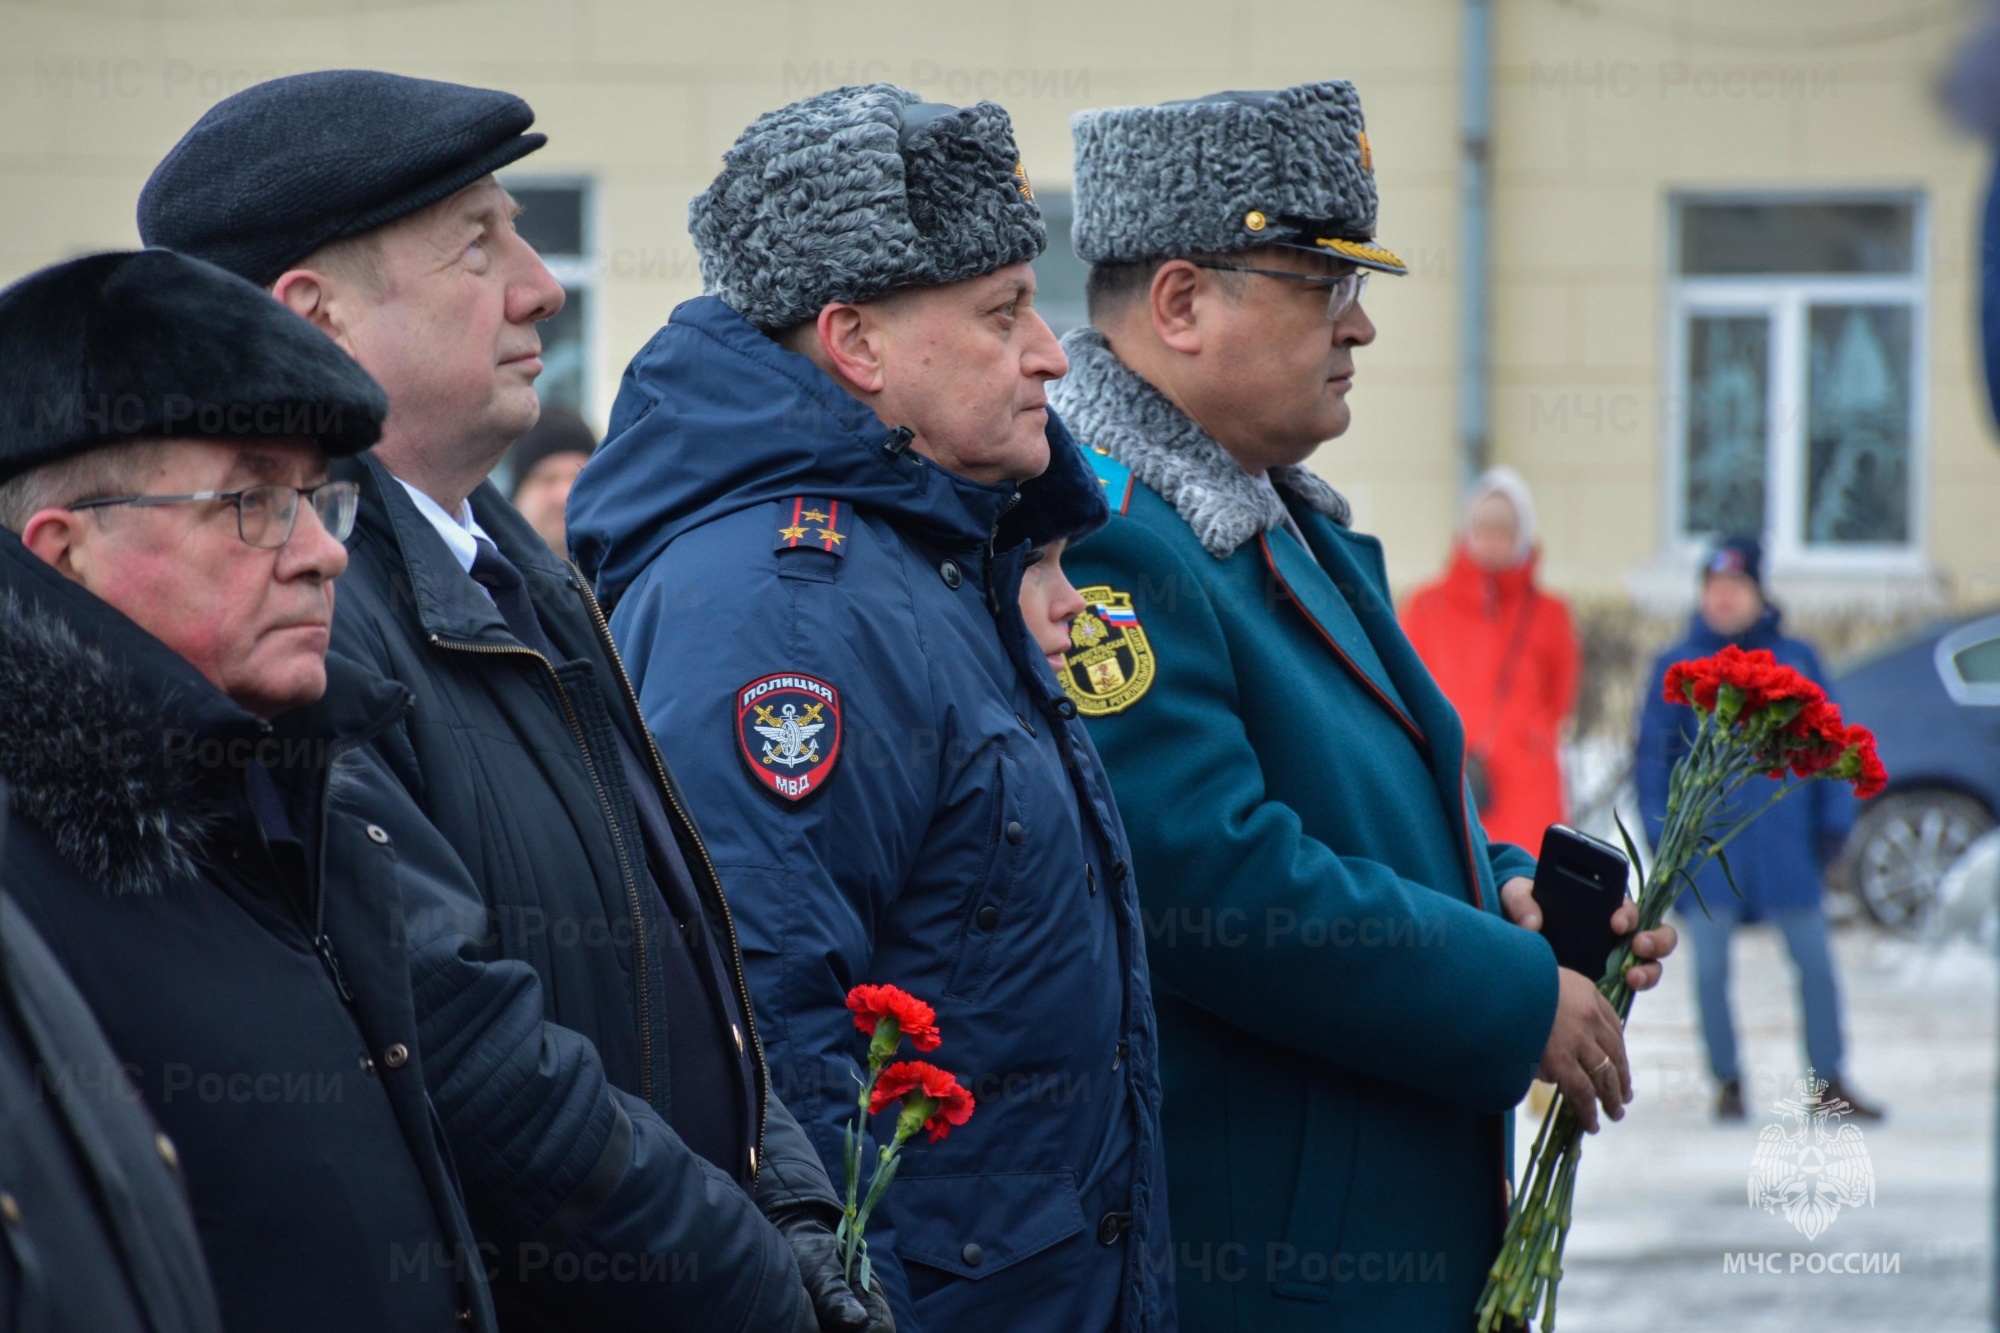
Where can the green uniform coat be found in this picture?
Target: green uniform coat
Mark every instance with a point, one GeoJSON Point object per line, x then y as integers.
{"type": "Point", "coordinates": [1346, 1022]}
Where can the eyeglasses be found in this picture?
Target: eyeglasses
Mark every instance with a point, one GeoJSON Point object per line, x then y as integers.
{"type": "Point", "coordinates": [265, 515]}
{"type": "Point", "coordinates": [1341, 292]}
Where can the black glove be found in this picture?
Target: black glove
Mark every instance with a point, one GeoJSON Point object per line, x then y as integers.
{"type": "Point", "coordinates": [839, 1309]}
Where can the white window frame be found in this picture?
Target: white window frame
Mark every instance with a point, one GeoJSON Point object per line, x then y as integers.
{"type": "Point", "coordinates": [582, 273]}
{"type": "Point", "coordinates": [1786, 301]}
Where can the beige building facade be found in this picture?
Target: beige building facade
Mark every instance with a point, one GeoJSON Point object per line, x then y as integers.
{"type": "Point", "coordinates": [1733, 259]}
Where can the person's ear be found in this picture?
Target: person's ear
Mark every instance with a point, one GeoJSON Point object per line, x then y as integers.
{"type": "Point", "coordinates": [313, 296]}
{"type": "Point", "coordinates": [1172, 301]}
{"type": "Point", "coordinates": [852, 342]}
{"type": "Point", "coordinates": [56, 536]}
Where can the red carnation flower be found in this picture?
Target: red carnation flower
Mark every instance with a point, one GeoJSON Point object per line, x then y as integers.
{"type": "Point", "coordinates": [926, 1090]}
{"type": "Point", "coordinates": [1869, 777]}
{"type": "Point", "coordinates": [915, 1019]}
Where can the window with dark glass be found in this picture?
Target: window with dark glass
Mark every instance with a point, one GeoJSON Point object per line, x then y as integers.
{"type": "Point", "coordinates": [1797, 328]}
{"type": "Point", "coordinates": [554, 218]}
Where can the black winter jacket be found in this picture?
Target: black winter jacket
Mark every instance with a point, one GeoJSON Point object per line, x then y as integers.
{"type": "Point", "coordinates": [539, 990]}
{"type": "Point", "coordinates": [253, 985]}
{"type": "Point", "coordinates": [98, 1238]}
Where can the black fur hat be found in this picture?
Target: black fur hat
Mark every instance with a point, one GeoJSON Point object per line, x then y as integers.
{"type": "Point", "coordinates": [143, 343]}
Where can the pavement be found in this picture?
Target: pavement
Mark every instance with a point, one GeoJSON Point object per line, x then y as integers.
{"type": "Point", "coordinates": [1663, 1212]}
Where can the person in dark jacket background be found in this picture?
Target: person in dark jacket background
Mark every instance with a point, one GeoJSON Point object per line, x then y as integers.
{"type": "Point", "coordinates": [195, 841]}
{"type": "Point", "coordinates": [593, 1055]}
{"type": "Point", "coordinates": [1779, 862]}
{"type": "Point", "coordinates": [542, 466]}
{"type": "Point", "coordinates": [100, 1237]}
{"type": "Point", "coordinates": [794, 515]}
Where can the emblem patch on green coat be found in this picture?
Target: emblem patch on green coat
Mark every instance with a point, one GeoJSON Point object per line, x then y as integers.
{"type": "Point", "coordinates": [1109, 665]}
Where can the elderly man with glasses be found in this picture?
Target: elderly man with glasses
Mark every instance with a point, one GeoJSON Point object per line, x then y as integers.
{"type": "Point", "coordinates": [200, 839]}
{"type": "Point", "coordinates": [1346, 1016]}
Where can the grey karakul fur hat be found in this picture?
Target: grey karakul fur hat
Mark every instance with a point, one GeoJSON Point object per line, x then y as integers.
{"type": "Point", "coordinates": [851, 194]}
{"type": "Point", "coordinates": [1227, 172]}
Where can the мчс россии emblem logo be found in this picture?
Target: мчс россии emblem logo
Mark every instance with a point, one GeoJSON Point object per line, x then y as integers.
{"type": "Point", "coordinates": [1109, 665]}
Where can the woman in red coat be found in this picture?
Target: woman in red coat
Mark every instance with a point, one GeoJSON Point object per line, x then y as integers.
{"type": "Point", "coordinates": [1506, 654]}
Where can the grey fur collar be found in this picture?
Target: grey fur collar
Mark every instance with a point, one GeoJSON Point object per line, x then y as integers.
{"type": "Point", "coordinates": [1110, 408]}
{"type": "Point", "coordinates": [84, 753]}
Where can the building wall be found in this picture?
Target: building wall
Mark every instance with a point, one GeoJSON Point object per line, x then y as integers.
{"type": "Point", "coordinates": [1600, 112]}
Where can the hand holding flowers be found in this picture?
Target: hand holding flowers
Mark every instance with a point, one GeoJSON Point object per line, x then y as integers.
{"type": "Point", "coordinates": [1753, 717]}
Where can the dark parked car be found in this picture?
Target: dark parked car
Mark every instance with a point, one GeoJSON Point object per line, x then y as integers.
{"type": "Point", "coordinates": [1933, 701]}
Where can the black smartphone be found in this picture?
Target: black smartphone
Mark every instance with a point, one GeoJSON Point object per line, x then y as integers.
{"type": "Point", "coordinates": [1579, 883]}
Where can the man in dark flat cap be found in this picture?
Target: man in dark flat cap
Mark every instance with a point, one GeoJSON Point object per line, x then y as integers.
{"type": "Point", "coordinates": [201, 837]}
{"type": "Point", "coordinates": [594, 1056]}
{"type": "Point", "coordinates": [1289, 767]}
{"type": "Point", "coordinates": [822, 489]}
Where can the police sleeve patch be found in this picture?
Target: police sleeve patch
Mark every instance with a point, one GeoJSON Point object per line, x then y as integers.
{"type": "Point", "coordinates": [1109, 665]}
{"type": "Point", "coordinates": [788, 729]}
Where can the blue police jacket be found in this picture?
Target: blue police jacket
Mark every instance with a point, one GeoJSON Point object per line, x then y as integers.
{"type": "Point", "coordinates": [895, 790]}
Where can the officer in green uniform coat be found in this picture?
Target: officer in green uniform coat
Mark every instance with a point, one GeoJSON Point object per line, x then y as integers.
{"type": "Point", "coordinates": [1351, 993]}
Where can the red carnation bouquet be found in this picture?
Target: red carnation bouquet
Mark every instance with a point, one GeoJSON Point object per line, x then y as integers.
{"type": "Point", "coordinates": [931, 1099]}
{"type": "Point", "coordinates": [1753, 718]}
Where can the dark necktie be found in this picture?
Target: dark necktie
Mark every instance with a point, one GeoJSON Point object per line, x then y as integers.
{"type": "Point", "coordinates": [497, 574]}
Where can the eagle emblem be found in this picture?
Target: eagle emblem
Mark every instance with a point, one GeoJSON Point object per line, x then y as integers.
{"type": "Point", "coordinates": [1810, 1166]}
{"type": "Point", "coordinates": [1109, 665]}
{"type": "Point", "coordinates": [788, 731]}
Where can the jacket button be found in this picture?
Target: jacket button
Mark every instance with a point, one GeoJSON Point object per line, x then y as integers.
{"type": "Point", "coordinates": [1118, 1055]}
{"type": "Point", "coordinates": [1015, 832]}
{"type": "Point", "coordinates": [1090, 877]}
{"type": "Point", "coordinates": [368, 1065]}
{"type": "Point", "coordinates": [973, 1256]}
{"type": "Point", "coordinates": [1064, 708]}
{"type": "Point", "coordinates": [376, 833]}
{"type": "Point", "coordinates": [948, 571]}
{"type": "Point", "coordinates": [989, 917]}
{"type": "Point", "coordinates": [1026, 725]}
{"type": "Point", "coordinates": [465, 1316]}
{"type": "Point", "coordinates": [1111, 1228]}
{"type": "Point", "coordinates": [169, 1154]}
{"type": "Point", "coordinates": [10, 1211]}
{"type": "Point", "coordinates": [396, 1056]}
{"type": "Point", "coordinates": [1120, 869]}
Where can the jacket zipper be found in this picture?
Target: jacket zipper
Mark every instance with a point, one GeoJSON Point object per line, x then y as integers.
{"type": "Point", "coordinates": [617, 841]}
{"type": "Point", "coordinates": [694, 836]}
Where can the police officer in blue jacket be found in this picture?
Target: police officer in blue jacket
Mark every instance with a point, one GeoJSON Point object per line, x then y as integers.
{"type": "Point", "coordinates": [810, 516]}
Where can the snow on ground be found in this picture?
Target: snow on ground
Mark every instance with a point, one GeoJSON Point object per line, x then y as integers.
{"type": "Point", "coordinates": [1663, 1205]}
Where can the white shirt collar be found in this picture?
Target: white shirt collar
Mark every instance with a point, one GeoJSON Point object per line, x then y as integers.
{"type": "Point", "coordinates": [461, 531]}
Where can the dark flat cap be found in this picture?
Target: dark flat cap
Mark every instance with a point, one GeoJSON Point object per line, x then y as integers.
{"type": "Point", "coordinates": [147, 343]}
{"type": "Point", "coordinates": [274, 172]}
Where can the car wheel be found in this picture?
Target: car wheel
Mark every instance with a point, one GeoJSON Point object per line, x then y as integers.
{"type": "Point", "coordinates": [1901, 847]}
